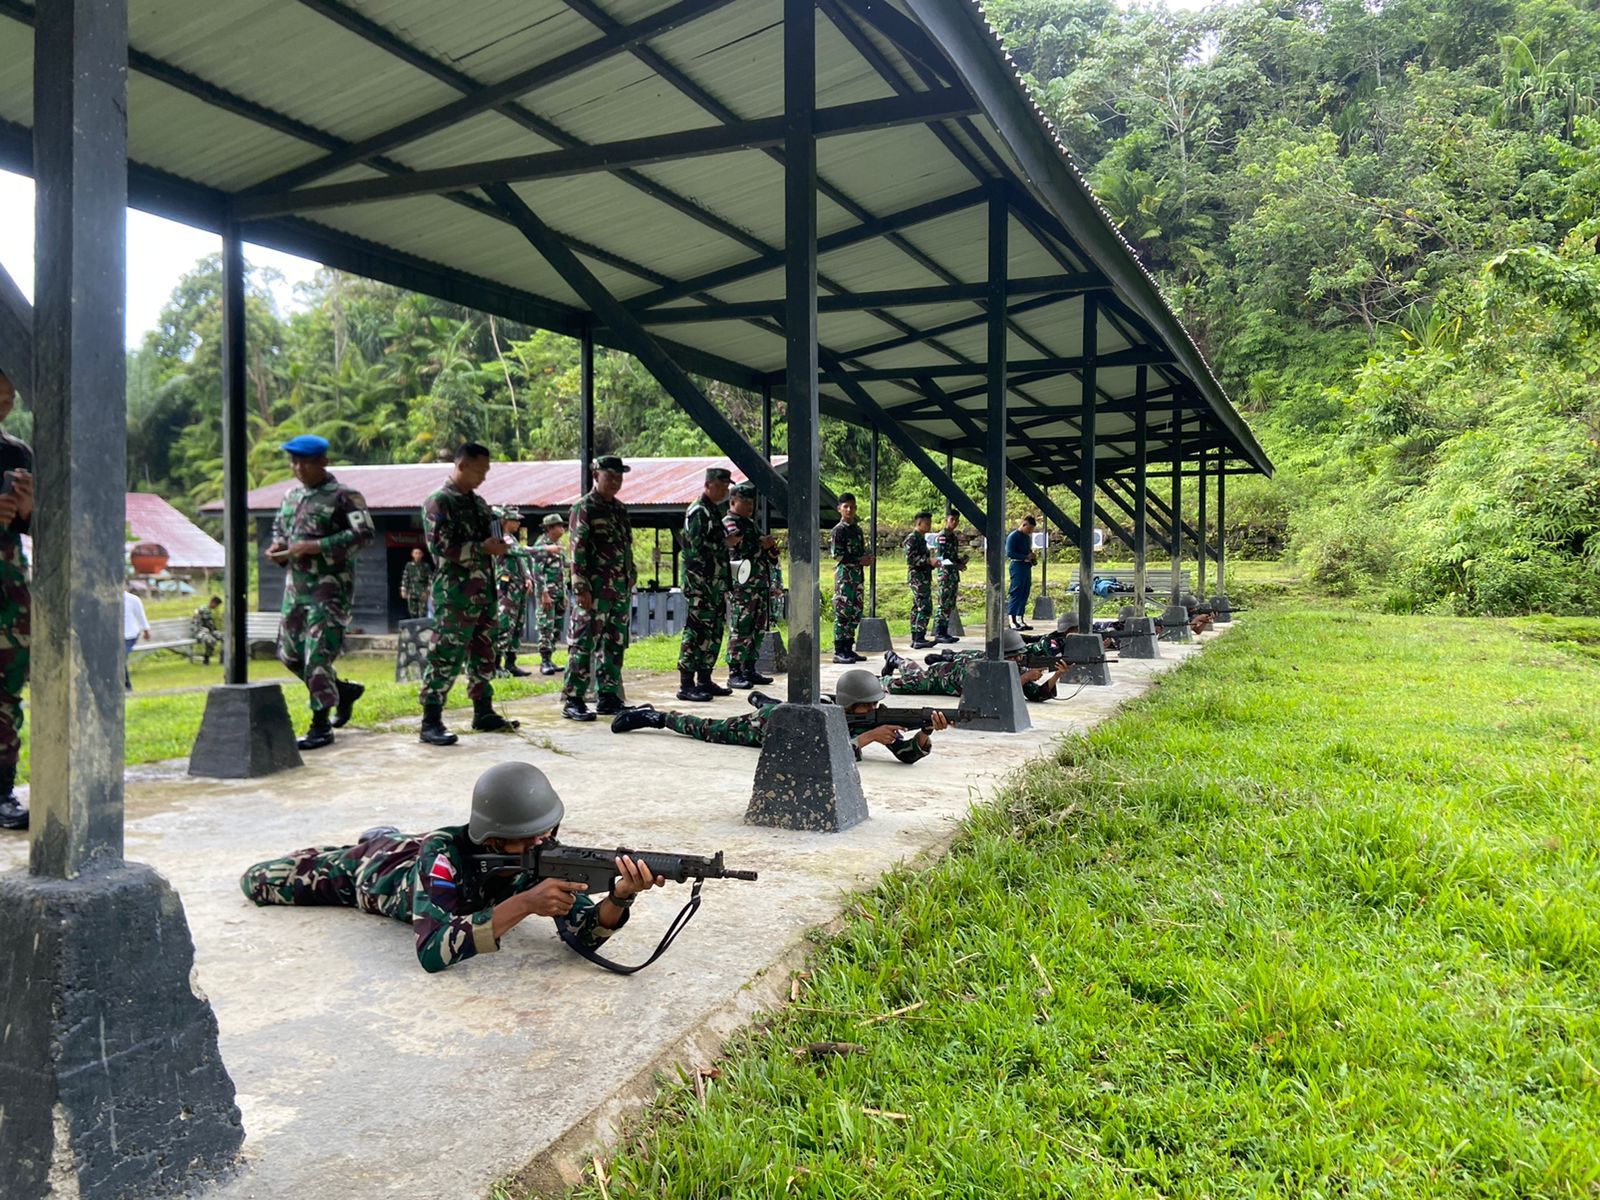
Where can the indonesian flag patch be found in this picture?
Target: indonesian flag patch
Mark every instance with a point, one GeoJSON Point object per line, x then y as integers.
{"type": "Point", "coordinates": [442, 874]}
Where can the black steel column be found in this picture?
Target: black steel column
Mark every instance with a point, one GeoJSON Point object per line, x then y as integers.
{"type": "Point", "coordinates": [995, 458]}
{"type": "Point", "coordinates": [1141, 498]}
{"type": "Point", "coordinates": [80, 165]}
{"type": "Point", "coordinates": [1222, 517]}
{"type": "Point", "coordinates": [1044, 556]}
{"type": "Point", "coordinates": [800, 335]}
{"type": "Point", "coordinates": [1177, 505]}
{"type": "Point", "coordinates": [764, 512]}
{"type": "Point", "coordinates": [1200, 542]}
{"type": "Point", "coordinates": [586, 450]}
{"type": "Point", "coordinates": [872, 526]}
{"type": "Point", "coordinates": [1086, 455]}
{"type": "Point", "coordinates": [235, 465]}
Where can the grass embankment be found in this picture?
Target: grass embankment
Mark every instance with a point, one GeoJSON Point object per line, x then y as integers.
{"type": "Point", "coordinates": [1318, 916]}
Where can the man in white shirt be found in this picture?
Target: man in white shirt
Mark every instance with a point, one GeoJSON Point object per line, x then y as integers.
{"type": "Point", "coordinates": [134, 626]}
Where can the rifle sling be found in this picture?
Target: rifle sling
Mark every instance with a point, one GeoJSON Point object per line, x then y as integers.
{"type": "Point", "coordinates": [685, 915]}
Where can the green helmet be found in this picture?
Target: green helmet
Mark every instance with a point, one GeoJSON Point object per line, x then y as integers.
{"type": "Point", "coordinates": [859, 687]}
{"type": "Point", "coordinates": [513, 800]}
{"type": "Point", "coordinates": [1011, 643]}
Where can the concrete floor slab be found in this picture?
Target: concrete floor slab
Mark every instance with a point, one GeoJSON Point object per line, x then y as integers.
{"type": "Point", "coordinates": [360, 1075]}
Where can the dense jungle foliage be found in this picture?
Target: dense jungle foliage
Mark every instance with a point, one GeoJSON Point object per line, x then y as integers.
{"type": "Point", "coordinates": [1380, 222]}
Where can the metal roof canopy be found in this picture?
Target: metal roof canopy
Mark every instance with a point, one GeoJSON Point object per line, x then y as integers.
{"type": "Point", "coordinates": [606, 170]}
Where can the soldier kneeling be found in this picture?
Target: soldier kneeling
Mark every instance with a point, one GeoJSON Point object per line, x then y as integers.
{"type": "Point", "coordinates": [859, 693]}
{"type": "Point", "coordinates": [430, 879]}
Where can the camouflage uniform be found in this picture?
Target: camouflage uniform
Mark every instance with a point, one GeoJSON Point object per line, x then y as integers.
{"type": "Point", "coordinates": [427, 879]}
{"type": "Point", "coordinates": [946, 676]}
{"type": "Point", "coordinates": [316, 598]}
{"type": "Point", "coordinates": [751, 599]}
{"type": "Point", "coordinates": [456, 524]}
{"type": "Point", "coordinates": [203, 629]}
{"type": "Point", "coordinates": [415, 582]}
{"type": "Point", "coordinates": [602, 565]}
{"type": "Point", "coordinates": [949, 577]}
{"type": "Point", "coordinates": [513, 584]}
{"type": "Point", "coordinates": [706, 581]}
{"type": "Point", "coordinates": [750, 729]}
{"type": "Point", "coordinates": [549, 569]}
{"type": "Point", "coordinates": [848, 545]}
{"type": "Point", "coordinates": [16, 609]}
{"type": "Point", "coordinates": [919, 574]}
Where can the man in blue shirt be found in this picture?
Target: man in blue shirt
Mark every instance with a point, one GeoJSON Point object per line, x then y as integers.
{"type": "Point", "coordinates": [1019, 560]}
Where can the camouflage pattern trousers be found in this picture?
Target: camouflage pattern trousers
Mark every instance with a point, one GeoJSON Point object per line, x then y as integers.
{"type": "Point", "coordinates": [938, 679]}
{"type": "Point", "coordinates": [550, 618]}
{"type": "Point", "coordinates": [417, 606]}
{"type": "Point", "coordinates": [949, 593]}
{"type": "Point", "coordinates": [706, 603]}
{"type": "Point", "coordinates": [599, 641]}
{"type": "Point", "coordinates": [463, 636]}
{"type": "Point", "coordinates": [16, 614]}
{"type": "Point", "coordinates": [847, 593]}
{"type": "Point", "coordinates": [309, 640]}
{"type": "Point", "coordinates": [750, 729]}
{"type": "Point", "coordinates": [374, 876]}
{"type": "Point", "coordinates": [747, 622]}
{"type": "Point", "coordinates": [511, 606]}
{"type": "Point", "coordinates": [921, 599]}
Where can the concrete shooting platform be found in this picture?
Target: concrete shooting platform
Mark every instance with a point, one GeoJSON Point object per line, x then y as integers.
{"type": "Point", "coordinates": [359, 1073]}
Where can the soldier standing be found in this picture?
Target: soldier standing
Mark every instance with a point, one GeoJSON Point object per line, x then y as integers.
{"type": "Point", "coordinates": [705, 589]}
{"type": "Point", "coordinates": [415, 583]}
{"type": "Point", "coordinates": [603, 574]}
{"type": "Point", "coordinates": [203, 628]}
{"type": "Point", "coordinates": [457, 526]}
{"type": "Point", "coordinates": [550, 587]}
{"type": "Point", "coordinates": [320, 527]}
{"type": "Point", "coordinates": [919, 574]}
{"type": "Point", "coordinates": [951, 563]}
{"type": "Point", "coordinates": [16, 516]}
{"type": "Point", "coordinates": [849, 550]}
{"type": "Point", "coordinates": [513, 582]}
{"type": "Point", "coordinates": [750, 558]}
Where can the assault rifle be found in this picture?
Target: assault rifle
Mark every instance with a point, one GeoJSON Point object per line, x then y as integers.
{"type": "Point", "coordinates": [597, 871]}
{"type": "Point", "coordinates": [919, 719]}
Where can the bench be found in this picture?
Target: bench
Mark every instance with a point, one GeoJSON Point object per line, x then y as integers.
{"type": "Point", "coordinates": [261, 629]}
{"type": "Point", "coordinates": [169, 633]}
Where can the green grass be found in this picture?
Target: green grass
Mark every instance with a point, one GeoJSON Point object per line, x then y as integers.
{"type": "Point", "coordinates": [1319, 916]}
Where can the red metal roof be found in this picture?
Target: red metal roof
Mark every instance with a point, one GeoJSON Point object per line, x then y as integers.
{"type": "Point", "coordinates": [535, 486]}
{"type": "Point", "coordinates": [188, 546]}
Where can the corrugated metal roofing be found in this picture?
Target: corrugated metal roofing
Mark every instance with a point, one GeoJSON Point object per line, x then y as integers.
{"type": "Point", "coordinates": [226, 98]}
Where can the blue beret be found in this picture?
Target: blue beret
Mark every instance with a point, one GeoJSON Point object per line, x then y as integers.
{"type": "Point", "coordinates": [307, 445]}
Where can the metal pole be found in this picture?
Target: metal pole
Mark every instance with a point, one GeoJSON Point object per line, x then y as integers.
{"type": "Point", "coordinates": [1044, 558]}
{"type": "Point", "coordinates": [872, 527]}
{"type": "Point", "coordinates": [586, 410]}
{"type": "Point", "coordinates": [235, 465]}
{"type": "Point", "coordinates": [765, 511]}
{"type": "Point", "coordinates": [1204, 535]}
{"type": "Point", "coordinates": [800, 337]}
{"type": "Point", "coordinates": [1177, 504]}
{"type": "Point", "coordinates": [80, 165]}
{"type": "Point", "coordinates": [1222, 518]}
{"type": "Point", "coordinates": [1086, 453]}
{"type": "Point", "coordinates": [995, 458]}
{"type": "Point", "coordinates": [1141, 499]}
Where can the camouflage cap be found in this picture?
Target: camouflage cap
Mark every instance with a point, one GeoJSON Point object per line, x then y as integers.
{"type": "Point", "coordinates": [612, 462]}
{"type": "Point", "coordinates": [744, 490]}
{"type": "Point", "coordinates": [551, 520]}
{"type": "Point", "coordinates": [508, 512]}
{"type": "Point", "coordinates": [713, 474]}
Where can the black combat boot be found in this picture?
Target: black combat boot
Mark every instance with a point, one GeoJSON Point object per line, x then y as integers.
{"type": "Point", "coordinates": [738, 679]}
{"type": "Point", "coordinates": [546, 667]}
{"type": "Point", "coordinates": [762, 700]}
{"type": "Point", "coordinates": [433, 730]}
{"type": "Point", "coordinates": [513, 669]}
{"type": "Point", "coordinates": [486, 720]}
{"type": "Point", "coordinates": [349, 693]}
{"type": "Point", "coordinates": [919, 639]}
{"type": "Point", "coordinates": [710, 686]}
{"type": "Point", "coordinates": [937, 656]}
{"type": "Point", "coordinates": [844, 652]}
{"type": "Point", "coordinates": [609, 704]}
{"type": "Point", "coordinates": [689, 690]}
{"type": "Point", "coordinates": [941, 634]}
{"type": "Point", "coordinates": [321, 732]}
{"type": "Point", "coordinates": [756, 677]}
{"type": "Point", "coordinates": [643, 717]}
{"type": "Point", "coordinates": [576, 710]}
{"type": "Point", "coordinates": [892, 662]}
{"type": "Point", "coordinates": [13, 812]}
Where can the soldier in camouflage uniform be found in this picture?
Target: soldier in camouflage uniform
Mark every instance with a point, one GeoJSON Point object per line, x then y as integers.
{"type": "Point", "coordinates": [951, 563]}
{"type": "Point", "coordinates": [603, 574]}
{"type": "Point", "coordinates": [429, 880]}
{"type": "Point", "coordinates": [706, 582]}
{"type": "Point", "coordinates": [858, 691]}
{"type": "Point", "coordinates": [457, 526]}
{"type": "Point", "coordinates": [203, 628]}
{"type": "Point", "coordinates": [320, 527]}
{"type": "Point", "coordinates": [751, 553]}
{"type": "Point", "coordinates": [849, 550]}
{"type": "Point", "coordinates": [550, 588]}
{"type": "Point", "coordinates": [946, 673]}
{"type": "Point", "coordinates": [512, 584]}
{"type": "Point", "coordinates": [16, 606]}
{"type": "Point", "coordinates": [416, 581]}
{"type": "Point", "coordinates": [919, 574]}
